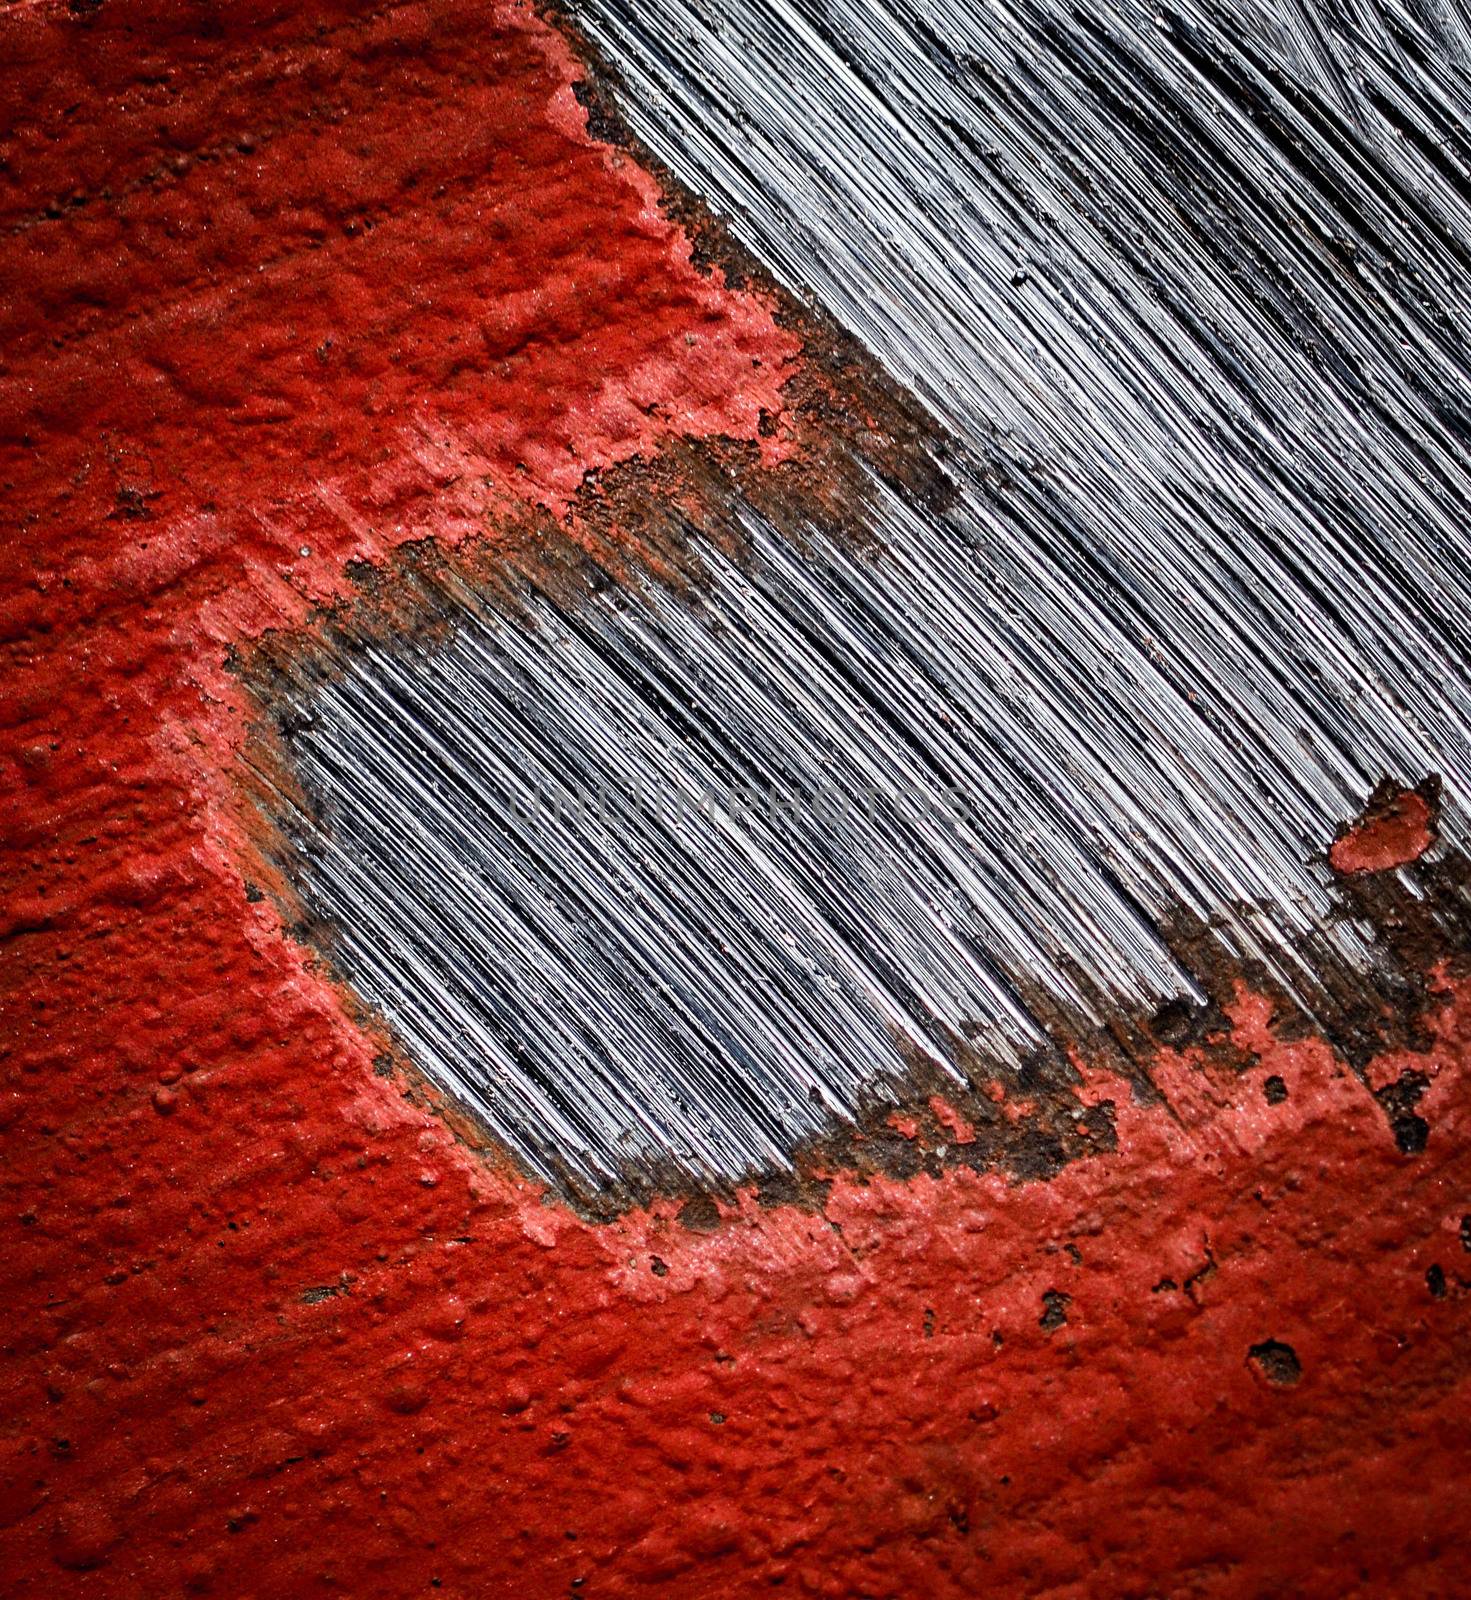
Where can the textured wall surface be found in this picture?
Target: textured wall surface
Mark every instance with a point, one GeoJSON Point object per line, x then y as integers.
{"type": "Point", "coordinates": [283, 294]}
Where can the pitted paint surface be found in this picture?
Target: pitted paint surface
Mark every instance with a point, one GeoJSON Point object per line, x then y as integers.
{"type": "Point", "coordinates": [269, 1328]}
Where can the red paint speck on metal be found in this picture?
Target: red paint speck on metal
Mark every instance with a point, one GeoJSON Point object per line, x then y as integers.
{"type": "Point", "coordinates": [1397, 828]}
{"type": "Point", "coordinates": [280, 294]}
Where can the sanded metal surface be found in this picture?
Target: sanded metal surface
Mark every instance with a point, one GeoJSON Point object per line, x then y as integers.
{"type": "Point", "coordinates": [669, 883]}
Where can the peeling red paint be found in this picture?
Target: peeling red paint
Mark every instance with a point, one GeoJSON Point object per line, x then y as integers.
{"type": "Point", "coordinates": [958, 1127]}
{"type": "Point", "coordinates": [269, 1329]}
{"type": "Point", "coordinates": [279, 292]}
{"type": "Point", "coordinates": [1397, 827]}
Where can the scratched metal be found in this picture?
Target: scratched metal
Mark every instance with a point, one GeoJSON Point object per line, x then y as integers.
{"type": "Point", "coordinates": [659, 887]}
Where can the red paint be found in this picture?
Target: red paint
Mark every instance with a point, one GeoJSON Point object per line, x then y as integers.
{"type": "Point", "coordinates": [1397, 828]}
{"type": "Point", "coordinates": [269, 1330]}
{"type": "Point", "coordinates": [342, 295]}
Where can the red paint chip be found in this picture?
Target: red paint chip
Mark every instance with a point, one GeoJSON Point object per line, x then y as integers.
{"type": "Point", "coordinates": [1397, 827]}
